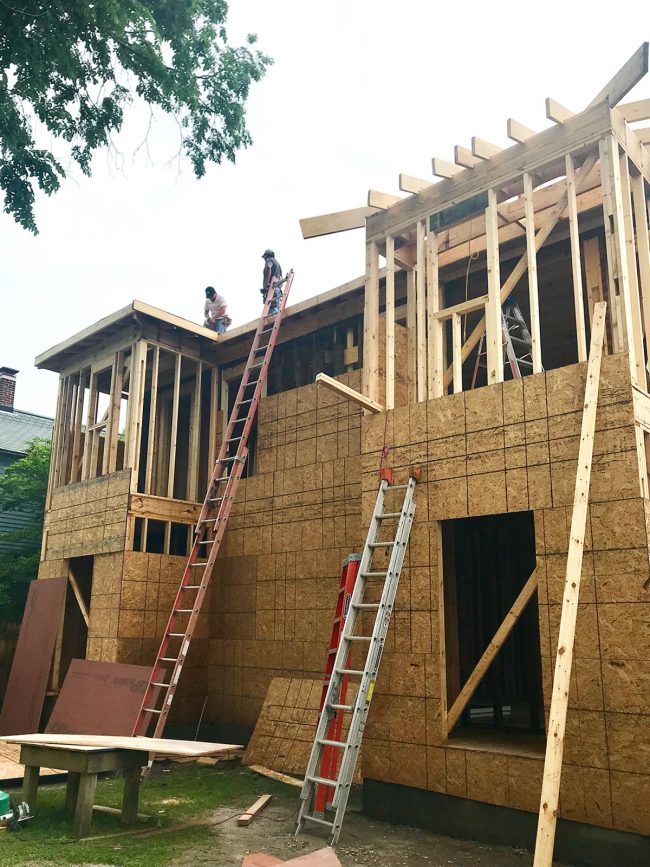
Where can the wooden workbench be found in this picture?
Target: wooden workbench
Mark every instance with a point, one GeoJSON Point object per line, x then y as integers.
{"type": "Point", "coordinates": [83, 763]}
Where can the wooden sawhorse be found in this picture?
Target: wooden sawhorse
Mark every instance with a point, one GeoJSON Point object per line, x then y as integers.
{"type": "Point", "coordinates": [83, 764]}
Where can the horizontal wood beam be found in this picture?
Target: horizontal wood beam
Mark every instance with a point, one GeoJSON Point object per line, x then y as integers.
{"type": "Point", "coordinates": [627, 76]}
{"type": "Point", "coordinates": [339, 221]}
{"type": "Point", "coordinates": [382, 200]}
{"type": "Point", "coordinates": [484, 150]}
{"type": "Point", "coordinates": [163, 508]}
{"type": "Point", "coordinates": [643, 134]}
{"type": "Point", "coordinates": [551, 144]}
{"type": "Point", "coordinates": [461, 309]}
{"type": "Point", "coordinates": [639, 110]}
{"type": "Point", "coordinates": [464, 157]}
{"type": "Point", "coordinates": [557, 112]}
{"type": "Point", "coordinates": [518, 132]}
{"type": "Point", "coordinates": [349, 393]}
{"type": "Point", "coordinates": [444, 169]}
{"type": "Point", "coordinates": [409, 184]}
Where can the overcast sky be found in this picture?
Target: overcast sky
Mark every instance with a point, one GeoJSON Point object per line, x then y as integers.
{"type": "Point", "coordinates": [360, 91]}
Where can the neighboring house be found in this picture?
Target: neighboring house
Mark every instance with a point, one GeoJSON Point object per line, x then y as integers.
{"type": "Point", "coordinates": [17, 429]}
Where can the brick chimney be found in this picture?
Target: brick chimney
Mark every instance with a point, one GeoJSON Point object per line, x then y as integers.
{"type": "Point", "coordinates": [7, 388]}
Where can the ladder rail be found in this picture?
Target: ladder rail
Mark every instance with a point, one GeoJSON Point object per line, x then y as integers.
{"type": "Point", "coordinates": [160, 691]}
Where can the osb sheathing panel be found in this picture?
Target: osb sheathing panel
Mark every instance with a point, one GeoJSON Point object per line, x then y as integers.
{"type": "Point", "coordinates": [506, 448]}
{"type": "Point", "coordinates": [88, 517]}
{"type": "Point", "coordinates": [286, 726]}
{"type": "Point", "coordinates": [292, 525]}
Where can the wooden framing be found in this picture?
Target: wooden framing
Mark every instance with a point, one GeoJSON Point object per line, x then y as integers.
{"type": "Point", "coordinates": [349, 393]}
{"type": "Point", "coordinates": [390, 322]}
{"type": "Point", "coordinates": [533, 292]}
{"type": "Point", "coordinates": [371, 324]}
{"type": "Point", "coordinates": [594, 278]}
{"type": "Point", "coordinates": [493, 328]}
{"type": "Point", "coordinates": [340, 221]}
{"type": "Point", "coordinates": [564, 656]}
{"type": "Point", "coordinates": [464, 157]}
{"type": "Point", "coordinates": [174, 429]}
{"type": "Point", "coordinates": [420, 288]}
{"type": "Point", "coordinates": [153, 411]}
{"type": "Point", "coordinates": [556, 112]}
{"type": "Point", "coordinates": [409, 184]}
{"type": "Point", "coordinates": [576, 265]}
{"type": "Point", "coordinates": [194, 436]}
{"type": "Point", "coordinates": [517, 131]}
{"type": "Point", "coordinates": [411, 335]}
{"type": "Point", "coordinates": [639, 205]}
{"type": "Point", "coordinates": [435, 327]}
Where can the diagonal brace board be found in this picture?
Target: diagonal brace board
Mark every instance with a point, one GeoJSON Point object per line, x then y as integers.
{"type": "Point", "coordinates": [491, 651]}
{"type": "Point", "coordinates": [561, 681]}
{"type": "Point", "coordinates": [552, 219]}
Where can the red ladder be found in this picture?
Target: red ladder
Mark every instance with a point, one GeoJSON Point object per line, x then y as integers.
{"type": "Point", "coordinates": [329, 761]}
{"type": "Point", "coordinates": [212, 523]}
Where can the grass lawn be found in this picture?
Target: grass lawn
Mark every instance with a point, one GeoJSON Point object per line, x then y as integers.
{"type": "Point", "coordinates": [186, 793]}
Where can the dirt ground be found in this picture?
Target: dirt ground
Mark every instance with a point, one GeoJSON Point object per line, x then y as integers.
{"type": "Point", "coordinates": [363, 842]}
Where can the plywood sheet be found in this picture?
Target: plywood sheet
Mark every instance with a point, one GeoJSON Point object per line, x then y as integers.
{"type": "Point", "coordinates": [159, 746]}
{"type": "Point", "coordinates": [23, 704]}
{"type": "Point", "coordinates": [99, 698]}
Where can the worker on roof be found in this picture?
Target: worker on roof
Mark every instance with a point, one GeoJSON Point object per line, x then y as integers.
{"type": "Point", "coordinates": [271, 275]}
{"type": "Point", "coordinates": [215, 311]}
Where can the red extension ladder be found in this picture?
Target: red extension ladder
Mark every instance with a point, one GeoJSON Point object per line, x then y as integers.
{"type": "Point", "coordinates": [329, 761]}
{"type": "Point", "coordinates": [212, 522]}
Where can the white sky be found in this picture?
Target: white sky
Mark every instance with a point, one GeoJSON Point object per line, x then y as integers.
{"type": "Point", "coordinates": [360, 91]}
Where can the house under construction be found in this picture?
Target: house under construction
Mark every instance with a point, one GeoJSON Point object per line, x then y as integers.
{"type": "Point", "coordinates": [463, 350]}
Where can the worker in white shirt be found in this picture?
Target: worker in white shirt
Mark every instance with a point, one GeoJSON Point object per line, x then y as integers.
{"type": "Point", "coordinates": [215, 311]}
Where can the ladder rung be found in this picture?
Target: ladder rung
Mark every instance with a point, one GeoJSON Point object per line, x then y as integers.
{"type": "Point", "coordinates": [372, 574]}
{"type": "Point", "coordinates": [157, 683]}
{"type": "Point", "coordinates": [323, 781]}
{"type": "Point", "coordinates": [169, 659]}
{"type": "Point", "coordinates": [381, 544]}
{"type": "Point", "coordinates": [317, 821]}
{"type": "Point", "coordinates": [345, 707]}
{"type": "Point", "coordinates": [151, 710]}
{"type": "Point", "coordinates": [191, 586]}
{"type": "Point", "coordinates": [366, 604]}
{"type": "Point", "coordinates": [359, 637]}
{"type": "Point", "coordinates": [197, 565]}
{"type": "Point", "coordinates": [350, 671]}
{"type": "Point", "coordinates": [234, 439]}
{"type": "Point", "coordinates": [183, 610]}
{"type": "Point", "coordinates": [389, 515]}
{"type": "Point", "coordinates": [254, 366]}
{"type": "Point", "coordinates": [336, 744]}
{"type": "Point", "coordinates": [205, 542]}
{"type": "Point", "coordinates": [176, 634]}
{"type": "Point", "coordinates": [396, 487]}
{"type": "Point", "coordinates": [242, 402]}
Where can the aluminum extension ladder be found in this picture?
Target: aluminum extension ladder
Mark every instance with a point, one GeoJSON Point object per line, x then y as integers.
{"type": "Point", "coordinates": [358, 711]}
{"type": "Point", "coordinates": [517, 342]}
{"type": "Point", "coordinates": [211, 525]}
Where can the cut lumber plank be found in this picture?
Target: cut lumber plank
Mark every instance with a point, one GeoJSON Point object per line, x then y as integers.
{"type": "Point", "coordinates": [557, 112]}
{"type": "Point", "coordinates": [627, 76]}
{"type": "Point", "coordinates": [639, 110]}
{"type": "Point", "coordinates": [382, 200]}
{"type": "Point", "coordinates": [464, 157]}
{"type": "Point", "coordinates": [160, 746]}
{"type": "Point", "coordinates": [247, 817]}
{"type": "Point", "coordinates": [491, 651]}
{"type": "Point", "coordinates": [339, 221]}
{"type": "Point", "coordinates": [444, 169]}
{"type": "Point", "coordinates": [349, 393]}
{"type": "Point", "coordinates": [549, 802]}
{"type": "Point", "coordinates": [517, 131]}
{"type": "Point", "coordinates": [409, 184]}
{"type": "Point", "coordinates": [321, 858]}
{"type": "Point", "coordinates": [276, 775]}
{"type": "Point", "coordinates": [483, 149]}
{"type": "Point", "coordinates": [115, 811]}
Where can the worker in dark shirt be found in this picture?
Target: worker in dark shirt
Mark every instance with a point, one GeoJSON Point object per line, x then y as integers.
{"type": "Point", "coordinates": [271, 275]}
